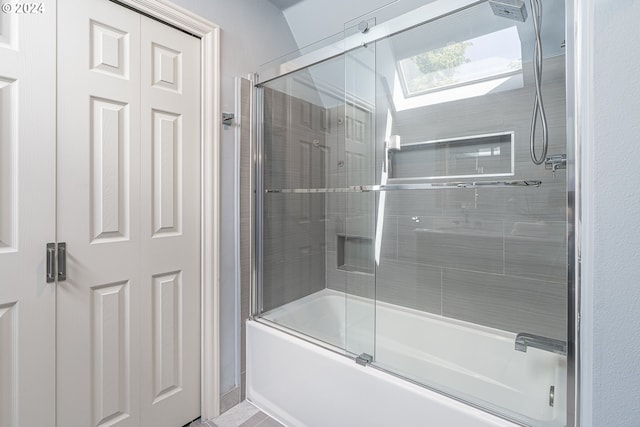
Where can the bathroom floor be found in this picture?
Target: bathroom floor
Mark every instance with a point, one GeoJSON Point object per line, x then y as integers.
{"type": "Point", "coordinates": [242, 415]}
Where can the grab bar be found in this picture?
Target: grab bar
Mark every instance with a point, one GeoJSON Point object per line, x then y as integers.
{"type": "Point", "coordinates": [397, 187]}
{"type": "Point", "coordinates": [524, 340]}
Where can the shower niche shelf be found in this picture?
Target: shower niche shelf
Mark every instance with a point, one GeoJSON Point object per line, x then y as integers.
{"type": "Point", "coordinates": [354, 253]}
{"type": "Point", "coordinates": [488, 155]}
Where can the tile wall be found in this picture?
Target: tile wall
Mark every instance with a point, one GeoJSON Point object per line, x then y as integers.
{"type": "Point", "coordinates": [492, 256]}
{"type": "Point", "coordinates": [294, 239]}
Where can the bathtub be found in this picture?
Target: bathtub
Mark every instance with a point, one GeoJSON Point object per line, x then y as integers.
{"type": "Point", "coordinates": [299, 374]}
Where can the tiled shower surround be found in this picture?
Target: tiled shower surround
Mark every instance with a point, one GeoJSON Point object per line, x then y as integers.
{"type": "Point", "coordinates": [492, 256]}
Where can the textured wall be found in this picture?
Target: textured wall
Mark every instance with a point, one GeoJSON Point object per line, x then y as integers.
{"type": "Point", "coordinates": [611, 208]}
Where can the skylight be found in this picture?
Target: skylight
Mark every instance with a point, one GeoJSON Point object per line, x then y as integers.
{"type": "Point", "coordinates": [488, 57]}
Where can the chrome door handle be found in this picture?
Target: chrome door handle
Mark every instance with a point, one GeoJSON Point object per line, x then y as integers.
{"type": "Point", "coordinates": [51, 255]}
{"type": "Point", "coordinates": [62, 262]}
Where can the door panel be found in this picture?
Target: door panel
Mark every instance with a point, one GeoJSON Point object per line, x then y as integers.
{"type": "Point", "coordinates": [8, 367]}
{"type": "Point", "coordinates": [98, 214]}
{"type": "Point", "coordinates": [129, 210]}
{"type": "Point", "coordinates": [27, 217]}
{"type": "Point", "coordinates": [170, 171]}
{"type": "Point", "coordinates": [109, 170]}
{"type": "Point", "coordinates": [110, 354]}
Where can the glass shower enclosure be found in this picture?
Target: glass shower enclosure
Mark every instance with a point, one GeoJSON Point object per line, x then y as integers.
{"type": "Point", "coordinates": [400, 219]}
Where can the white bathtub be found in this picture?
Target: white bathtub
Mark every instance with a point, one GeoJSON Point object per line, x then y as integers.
{"type": "Point", "coordinates": [306, 385]}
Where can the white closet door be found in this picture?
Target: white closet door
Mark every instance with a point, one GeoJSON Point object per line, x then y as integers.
{"type": "Point", "coordinates": [98, 310]}
{"type": "Point", "coordinates": [27, 216]}
{"type": "Point", "coordinates": [129, 211]}
{"type": "Point", "coordinates": [170, 260]}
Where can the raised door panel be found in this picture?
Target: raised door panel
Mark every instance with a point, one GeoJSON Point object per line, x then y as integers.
{"type": "Point", "coordinates": [9, 31]}
{"type": "Point", "coordinates": [110, 353]}
{"type": "Point", "coordinates": [8, 367]}
{"type": "Point", "coordinates": [8, 164]}
{"type": "Point", "coordinates": [167, 335]}
{"type": "Point", "coordinates": [167, 68]}
{"type": "Point", "coordinates": [27, 220]}
{"type": "Point", "coordinates": [170, 221]}
{"type": "Point", "coordinates": [110, 50]}
{"type": "Point", "coordinates": [167, 172]}
{"type": "Point", "coordinates": [98, 214]}
{"type": "Point", "coordinates": [110, 170]}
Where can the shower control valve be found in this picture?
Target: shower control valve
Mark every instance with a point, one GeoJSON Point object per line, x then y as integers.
{"type": "Point", "coordinates": [555, 162]}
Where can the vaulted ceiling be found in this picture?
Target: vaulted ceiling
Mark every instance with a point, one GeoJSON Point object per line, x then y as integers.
{"type": "Point", "coordinates": [283, 4]}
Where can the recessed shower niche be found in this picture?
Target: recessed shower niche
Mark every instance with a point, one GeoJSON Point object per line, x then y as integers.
{"type": "Point", "coordinates": [463, 157]}
{"type": "Point", "coordinates": [354, 253]}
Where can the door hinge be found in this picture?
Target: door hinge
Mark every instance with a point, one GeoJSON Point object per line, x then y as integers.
{"type": "Point", "coordinates": [56, 262]}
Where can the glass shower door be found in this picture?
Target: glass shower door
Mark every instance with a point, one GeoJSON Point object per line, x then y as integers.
{"type": "Point", "coordinates": [356, 248]}
{"type": "Point", "coordinates": [299, 145]}
{"type": "Point", "coordinates": [471, 271]}
{"type": "Point", "coordinates": [317, 230]}
{"type": "Point", "coordinates": [394, 228]}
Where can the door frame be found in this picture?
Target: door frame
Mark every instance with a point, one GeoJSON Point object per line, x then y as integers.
{"type": "Point", "coordinates": [209, 34]}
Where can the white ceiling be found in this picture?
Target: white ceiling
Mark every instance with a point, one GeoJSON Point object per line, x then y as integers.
{"type": "Point", "coordinates": [284, 4]}
{"type": "Point", "coordinates": [311, 21]}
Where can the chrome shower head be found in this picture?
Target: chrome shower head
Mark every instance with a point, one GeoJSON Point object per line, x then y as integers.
{"type": "Point", "coordinates": [512, 9]}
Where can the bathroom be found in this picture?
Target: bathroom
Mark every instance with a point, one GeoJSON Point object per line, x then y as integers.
{"type": "Point", "coordinates": [364, 209]}
{"type": "Point", "coordinates": [463, 227]}
{"type": "Point", "coordinates": [319, 213]}
{"type": "Point", "coordinates": [477, 234]}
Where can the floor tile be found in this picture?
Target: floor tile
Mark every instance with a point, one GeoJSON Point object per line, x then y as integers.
{"type": "Point", "coordinates": [269, 422]}
{"type": "Point", "coordinates": [200, 423]}
{"type": "Point", "coordinates": [237, 415]}
{"type": "Point", "coordinates": [256, 420]}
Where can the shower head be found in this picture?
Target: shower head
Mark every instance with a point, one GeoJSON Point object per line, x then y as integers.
{"type": "Point", "coordinates": [512, 9]}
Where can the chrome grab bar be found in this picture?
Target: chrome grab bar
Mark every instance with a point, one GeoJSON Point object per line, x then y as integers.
{"type": "Point", "coordinates": [524, 340]}
{"type": "Point", "coordinates": [397, 187]}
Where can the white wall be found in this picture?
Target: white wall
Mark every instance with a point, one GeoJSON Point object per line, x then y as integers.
{"type": "Point", "coordinates": [611, 217]}
{"type": "Point", "coordinates": [253, 32]}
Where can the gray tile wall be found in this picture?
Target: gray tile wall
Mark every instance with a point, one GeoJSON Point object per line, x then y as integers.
{"type": "Point", "coordinates": [494, 256]}
{"type": "Point", "coordinates": [295, 150]}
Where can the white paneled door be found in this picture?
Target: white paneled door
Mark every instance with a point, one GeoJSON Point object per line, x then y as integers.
{"type": "Point", "coordinates": [27, 215]}
{"type": "Point", "coordinates": [170, 225]}
{"type": "Point", "coordinates": [128, 351]}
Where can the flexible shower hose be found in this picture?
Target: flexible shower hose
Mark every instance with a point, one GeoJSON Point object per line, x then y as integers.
{"type": "Point", "coordinates": [538, 106]}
